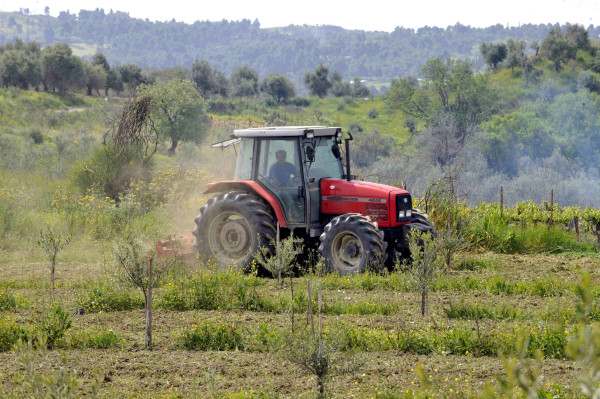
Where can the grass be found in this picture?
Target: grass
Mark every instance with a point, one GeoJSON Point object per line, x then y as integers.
{"type": "Point", "coordinates": [218, 334]}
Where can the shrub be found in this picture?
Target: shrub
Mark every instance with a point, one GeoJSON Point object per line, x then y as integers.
{"type": "Point", "coordinates": [10, 332]}
{"type": "Point", "coordinates": [208, 336]}
{"type": "Point", "coordinates": [36, 136]}
{"type": "Point", "coordinates": [373, 113]}
{"type": "Point", "coordinates": [7, 299]}
{"type": "Point", "coordinates": [111, 170]}
{"type": "Point", "coordinates": [55, 326]}
{"type": "Point", "coordinates": [471, 264]}
{"type": "Point", "coordinates": [104, 295]}
{"type": "Point", "coordinates": [95, 339]}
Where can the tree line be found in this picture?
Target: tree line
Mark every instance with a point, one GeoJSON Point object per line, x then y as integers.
{"type": "Point", "coordinates": [56, 68]}
{"type": "Point", "coordinates": [288, 50]}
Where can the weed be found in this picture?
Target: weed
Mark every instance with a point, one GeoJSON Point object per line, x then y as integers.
{"type": "Point", "coordinates": [208, 336]}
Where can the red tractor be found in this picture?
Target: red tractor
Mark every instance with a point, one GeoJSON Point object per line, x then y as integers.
{"type": "Point", "coordinates": [294, 176]}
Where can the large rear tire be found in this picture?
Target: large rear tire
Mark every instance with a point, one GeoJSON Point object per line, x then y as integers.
{"type": "Point", "coordinates": [232, 226]}
{"type": "Point", "coordinates": [351, 243]}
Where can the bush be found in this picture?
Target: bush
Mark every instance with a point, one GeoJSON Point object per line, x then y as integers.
{"type": "Point", "coordinates": [95, 339]}
{"type": "Point", "coordinates": [7, 299]}
{"type": "Point", "coordinates": [207, 336]}
{"type": "Point", "coordinates": [373, 113]}
{"type": "Point", "coordinates": [111, 170]}
{"type": "Point", "coordinates": [10, 332]}
{"type": "Point", "coordinates": [55, 326]}
{"type": "Point", "coordinates": [106, 296]}
{"type": "Point", "coordinates": [299, 101]}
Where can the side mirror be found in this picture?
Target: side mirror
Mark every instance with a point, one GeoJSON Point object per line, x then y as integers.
{"type": "Point", "coordinates": [336, 151]}
{"type": "Point", "coordinates": [310, 153]}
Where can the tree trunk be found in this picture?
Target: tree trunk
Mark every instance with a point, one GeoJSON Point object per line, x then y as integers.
{"type": "Point", "coordinates": [174, 143]}
{"type": "Point", "coordinates": [425, 301]}
{"type": "Point", "coordinates": [106, 92]}
{"type": "Point", "coordinates": [52, 278]}
{"type": "Point", "coordinates": [148, 338]}
{"type": "Point", "coordinates": [448, 258]}
{"type": "Point", "coordinates": [89, 90]}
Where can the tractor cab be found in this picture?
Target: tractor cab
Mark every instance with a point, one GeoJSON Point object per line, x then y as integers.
{"type": "Point", "coordinates": [289, 163]}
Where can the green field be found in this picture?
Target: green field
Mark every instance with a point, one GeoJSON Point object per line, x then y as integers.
{"type": "Point", "coordinates": [227, 335]}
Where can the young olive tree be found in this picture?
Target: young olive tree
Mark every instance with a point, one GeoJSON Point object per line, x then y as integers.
{"type": "Point", "coordinates": [52, 244]}
{"type": "Point", "coordinates": [425, 264]}
{"type": "Point", "coordinates": [281, 263]}
{"type": "Point", "coordinates": [135, 267]}
{"type": "Point", "coordinates": [318, 353]}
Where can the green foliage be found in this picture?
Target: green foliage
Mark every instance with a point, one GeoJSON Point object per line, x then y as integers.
{"type": "Point", "coordinates": [103, 295]}
{"type": "Point", "coordinates": [61, 69]}
{"type": "Point", "coordinates": [53, 381]}
{"type": "Point", "coordinates": [110, 170]}
{"type": "Point", "coordinates": [207, 336]}
{"type": "Point", "coordinates": [319, 354]}
{"type": "Point", "coordinates": [10, 332]}
{"type": "Point", "coordinates": [52, 243]}
{"type": "Point", "coordinates": [93, 339]}
{"type": "Point", "coordinates": [54, 327]}
{"type": "Point", "coordinates": [424, 265]}
{"type": "Point", "coordinates": [493, 54]}
{"type": "Point", "coordinates": [477, 312]}
{"type": "Point", "coordinates": [278, 86]}
{"type": "Point", "coordinates": [7, 299]}
{"type": "Point", "coordinates": [318, 82]}
{"type": "Point", "coordinates": [177, 111]}
{"type": "Point", "coordinates": [280, 263]}
{"type": "Point", "coordinates": [244, 82]}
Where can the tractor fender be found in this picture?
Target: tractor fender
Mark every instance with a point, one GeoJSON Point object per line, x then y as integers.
{"type": "Point", "coordinates": [252, 187]}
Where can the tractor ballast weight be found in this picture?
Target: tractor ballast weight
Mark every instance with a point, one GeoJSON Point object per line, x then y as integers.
{"type": "Point", "coordinates": [294, 176]}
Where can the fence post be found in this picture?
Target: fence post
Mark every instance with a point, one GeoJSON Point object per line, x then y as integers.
{"type": "Point", "coordinates": [577, 227]}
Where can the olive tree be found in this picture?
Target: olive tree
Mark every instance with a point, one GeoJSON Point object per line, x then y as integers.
{"type": "Point", "coordinates": [174, 108]}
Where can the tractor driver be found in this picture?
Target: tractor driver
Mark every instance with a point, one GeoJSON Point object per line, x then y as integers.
{"type": "Point", "coordinates": [281, 171]}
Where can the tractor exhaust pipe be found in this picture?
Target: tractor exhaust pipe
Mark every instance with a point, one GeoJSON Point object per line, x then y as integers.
{"type": "Point", "coordinates": [347, 144]}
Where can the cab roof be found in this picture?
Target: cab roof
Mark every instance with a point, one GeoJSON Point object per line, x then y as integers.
{"type": "Point", "coordinates": [286, 131]}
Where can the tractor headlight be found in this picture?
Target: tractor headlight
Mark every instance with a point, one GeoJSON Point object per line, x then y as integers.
{"type": "Point", "coordinates": [409, 213]}
{"type": "Point", "coordinates": [401, 214]}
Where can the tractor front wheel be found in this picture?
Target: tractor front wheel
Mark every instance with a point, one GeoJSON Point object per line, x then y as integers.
{"type": "Point", "coordinates": [232, 226]}
{"type": "Point", "coordinates": [351, 243]}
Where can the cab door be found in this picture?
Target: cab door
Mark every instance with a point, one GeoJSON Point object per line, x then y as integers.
{"type": "Point", "coordinates": [279, 170]}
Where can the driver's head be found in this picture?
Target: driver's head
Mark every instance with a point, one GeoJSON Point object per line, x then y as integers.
{"type": "Point", "coordinates": [280, 155]}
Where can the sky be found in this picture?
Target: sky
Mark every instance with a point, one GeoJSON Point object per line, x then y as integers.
{"type": "Point", "coordinates": [368, 15]}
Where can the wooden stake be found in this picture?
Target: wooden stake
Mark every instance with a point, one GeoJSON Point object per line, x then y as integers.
{"type": "Point", "coordinates": [278, 257]}
{"type": "Point", "coordinates": [149, 308]}
{"type": "Point", "coordinates": [292, 288]}
{"type": "Point", "coordinates": [501, 200]}
{"type": "Point", "coordinates": [551, 208]}
{"type": "Point", "coordinates": [309, 314]}
{"type": "Point", "coordinates": [320, 323]}
{"type": "Point", "coordinates": [577, 227]}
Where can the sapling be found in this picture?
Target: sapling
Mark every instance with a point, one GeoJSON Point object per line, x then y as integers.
{"type": "Point", "coordinates": [425, 264]}
{"type": "Point", "coordinates": [281, 263]}
{"type": "Point", "coordinates": [135, 267]}
{"type": "Point", "coordinates": [52, 244]}
{"type": "Point", "coordinates": [319, 352]}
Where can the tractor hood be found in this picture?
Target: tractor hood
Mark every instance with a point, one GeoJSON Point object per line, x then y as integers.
{"type": "Point", "coordinates": [360, 189]}
{"type": "Point", "coordinates": [378, 201]}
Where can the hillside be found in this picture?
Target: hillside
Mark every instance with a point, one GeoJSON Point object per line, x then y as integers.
{"type": "Point", "coordinates": [289, 50]}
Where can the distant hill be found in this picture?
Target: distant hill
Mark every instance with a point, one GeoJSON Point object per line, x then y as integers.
{"type": "Point", "coordinates": [290, 50]}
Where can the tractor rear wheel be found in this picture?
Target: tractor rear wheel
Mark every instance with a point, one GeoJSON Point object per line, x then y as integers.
{"type": "Point", "coordinates": [232, 226]}
{"type": "Point", "coordinates": [351, 243]}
